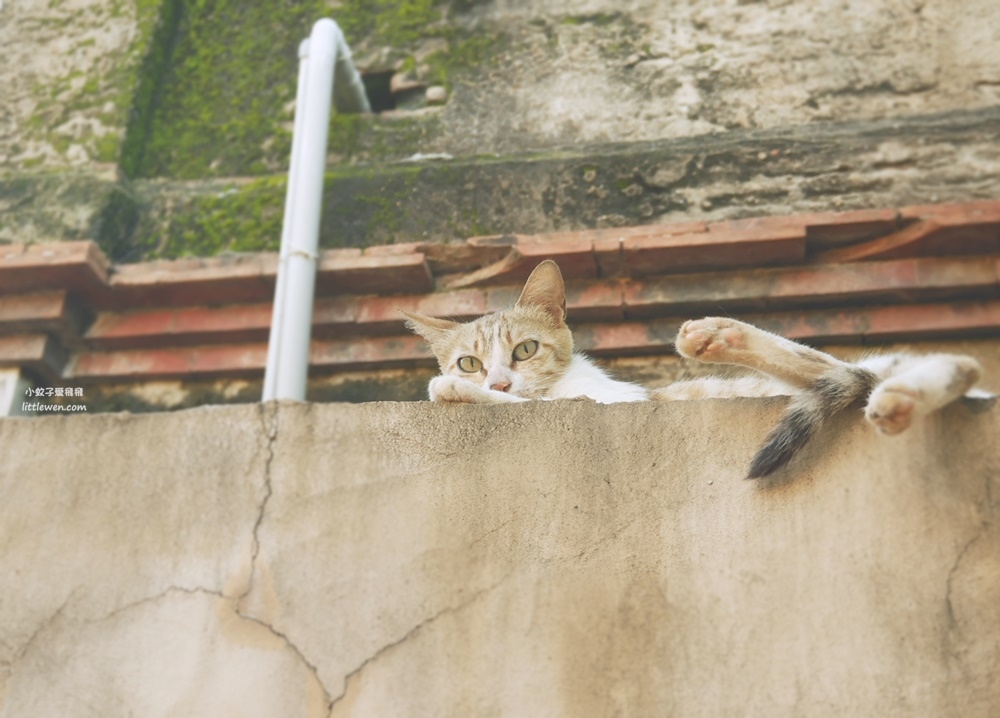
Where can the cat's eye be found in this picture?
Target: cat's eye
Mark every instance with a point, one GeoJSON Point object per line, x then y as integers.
{"type": "Point", "coordinates": [469, 364]}
{"type": "Point", "coordinates": [525, 350]}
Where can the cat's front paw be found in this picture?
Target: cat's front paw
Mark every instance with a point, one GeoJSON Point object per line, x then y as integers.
{"type": "Point", "coordinates": [453, 390]}
{"type": "Point", "coordinates": [891, 408]}
{"type": "Point", "coordinates": [711, 339]}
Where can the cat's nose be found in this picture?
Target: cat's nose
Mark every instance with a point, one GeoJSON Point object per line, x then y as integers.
{"type": "Point", "coordinates": [500, 386]}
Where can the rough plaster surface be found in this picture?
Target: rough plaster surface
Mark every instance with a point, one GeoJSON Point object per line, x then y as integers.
{"type": "Point", "coordinates": [554, 559]}
{"type": "Point", "coordinates": [61, 70]}
{"type": "Point", "coordinates": [608, 70]}
{"type": "Point", "coordinates": [951, 157]}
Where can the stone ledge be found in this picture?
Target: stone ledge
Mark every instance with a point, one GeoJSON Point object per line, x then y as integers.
{"type": "Point", "coordinates": [743, 173]}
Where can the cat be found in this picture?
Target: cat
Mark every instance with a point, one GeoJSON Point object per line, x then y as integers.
{"type": "Point", "coordinates": [526, 353]}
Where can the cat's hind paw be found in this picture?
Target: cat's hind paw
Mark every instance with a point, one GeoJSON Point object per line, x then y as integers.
{"type": "Point", "coordinates": [712, 339]}
{"type": "Point", "coordinates": [891, 409]}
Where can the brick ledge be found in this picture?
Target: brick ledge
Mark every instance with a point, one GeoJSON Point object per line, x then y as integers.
{"type": "Point", "coordinates": [67, 315]}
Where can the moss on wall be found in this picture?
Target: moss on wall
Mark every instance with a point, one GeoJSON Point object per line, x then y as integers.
{"type": "Point", "coordinates": [395, 23]}
{"type": "Point", "coordinates": [83, 112]}
{"type": "Point", "coordinates": [227, 74]}
{"type": "Point", "coordinates": [226, 89]}
{"type": "Point", "coordinates": [741, 174]}
{"type": "Point", "coordinates": [362, 207]}
{"type": "Point", "coordinates": [206, 90]}
{"type": "Point", "coordinates": [56, 206]}
{"type": "Point", "coordinates": [147, 86]}
{"type": "Point", "coordinates": [231, 217]}
{"type": "Point", "coordinates": [115, 225]}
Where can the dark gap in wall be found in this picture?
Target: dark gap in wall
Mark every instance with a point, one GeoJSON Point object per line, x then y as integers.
{"type": "Point", "coordinates": [377, 87]}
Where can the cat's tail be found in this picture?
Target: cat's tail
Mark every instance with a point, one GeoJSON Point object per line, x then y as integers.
{"type": "Point", "coordinates": [835, 390]}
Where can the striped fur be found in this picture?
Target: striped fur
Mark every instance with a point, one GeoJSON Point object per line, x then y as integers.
{"type": "Point", "coordinates": [807, 412]}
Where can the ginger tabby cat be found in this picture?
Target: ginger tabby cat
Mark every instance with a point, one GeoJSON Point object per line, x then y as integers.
{"type": "Point", "coordinates": [526, 353]}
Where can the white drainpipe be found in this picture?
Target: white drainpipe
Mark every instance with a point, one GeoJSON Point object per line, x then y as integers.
{"type": "Point", "coordinates": [325, 72]}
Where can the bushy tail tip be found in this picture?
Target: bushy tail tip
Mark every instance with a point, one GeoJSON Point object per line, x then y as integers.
{"type": "Point", "coordinates": [833, 391]}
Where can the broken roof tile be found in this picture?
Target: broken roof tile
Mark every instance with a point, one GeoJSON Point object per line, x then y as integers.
{"type": "Point", "coordinates": [926, 237]}
{"type": "Point", "coordinates": [385, 311]}
{"type": "Point", "coordinates": [825, 230]}
{"type": "Point", "coordinates": [574, 256]}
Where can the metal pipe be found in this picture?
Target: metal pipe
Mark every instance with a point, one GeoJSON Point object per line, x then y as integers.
{"type": "Point", "coordinates": [278, 310]}
{"type": "Point", "coordinates": [349, 94]}
{"type": "Point", "coordinates": [13, 389]}
{"type": "Point", "coordinates": [326, 72]}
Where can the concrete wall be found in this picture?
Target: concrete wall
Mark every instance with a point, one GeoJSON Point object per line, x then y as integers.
{"type": "Point", "coordinates": [555, 559]}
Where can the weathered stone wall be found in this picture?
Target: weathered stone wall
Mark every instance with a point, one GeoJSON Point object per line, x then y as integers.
{"type": "Point", "coordinates": [554, 559]}
{"type": "Point", "coordinates": [540, 74]}
{"type": "Point", "coordinates": [69, 69]}
{"type": "Point", "coordinates": [192, 104]}
{"type": "Point", "coordinates": [645, 70]}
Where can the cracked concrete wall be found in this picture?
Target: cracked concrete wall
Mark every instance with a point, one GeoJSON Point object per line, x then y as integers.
{"type": "Point", "coordinates": [553, 559]}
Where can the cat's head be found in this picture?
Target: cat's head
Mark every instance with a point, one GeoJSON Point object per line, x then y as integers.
{"type": "Point", "coordinates": [523, 350]}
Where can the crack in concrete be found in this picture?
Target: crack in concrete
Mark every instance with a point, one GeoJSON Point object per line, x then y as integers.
{"type": "Point", "coordinates": [159, 596]}
{"type": "Point", "coordinates": [597, 544]}
{"type": "Point", "coordinates": [45, 624]}
{"type": "Point", "coordinates": [234, 602]}
{"type": "Point", "coordinates": [985, 524]}
{"type": "Point", "coordinates": [23, 650]}
{"type": "Point", "coordinates": [614, 534]}
{"type": "Point", "coordinates": [269, 423]}
{"type": "Point", "coordinates": [313, 669]}
{"type": "Point", "coordinates": [952, 621]}
{"type": "Point", "coordinates": [414, 631]}
{"type": "Point", "coordinates": [489, 533]}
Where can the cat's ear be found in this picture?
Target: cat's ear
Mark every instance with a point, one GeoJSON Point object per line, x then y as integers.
{"type": "Point", "coordinates": [545, 290]}
{"type": "Point", "coordinates": [430, 328]}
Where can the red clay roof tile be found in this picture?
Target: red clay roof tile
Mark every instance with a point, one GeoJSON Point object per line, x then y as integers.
{"type": "Point", "coordinates": [627, 291]}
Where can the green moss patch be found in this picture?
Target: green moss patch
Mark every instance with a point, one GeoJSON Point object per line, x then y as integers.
{"type": "Point", "coordinates": [68, 206]}
{"type": "Point", "coordinates": [229, 77]}
{"type": "Point", "coordinates": [225, 218]}
{"type": "Point", "coordinates": [219, 98]}
{"type": "Point", "coordinates": [162, 33]}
